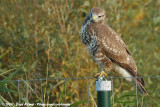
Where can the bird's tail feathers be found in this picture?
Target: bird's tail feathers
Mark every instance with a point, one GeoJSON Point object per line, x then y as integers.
{"type": "Point", "coordinates": [140, 87]}
{"type": "Point", "coordinates": [139, 82]}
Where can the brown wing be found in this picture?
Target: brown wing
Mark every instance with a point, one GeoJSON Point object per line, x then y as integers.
{"type": "Point", "coordinates": [116, 50]}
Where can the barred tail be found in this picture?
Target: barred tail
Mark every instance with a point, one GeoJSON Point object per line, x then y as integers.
{"type": "Point", "coordinates": [139, 81]}
{"type": "Point", "coordinates": [140, 86]}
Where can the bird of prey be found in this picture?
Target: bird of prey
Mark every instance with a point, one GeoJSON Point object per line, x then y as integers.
{"type": "Point", "coordinates": [107, 49]}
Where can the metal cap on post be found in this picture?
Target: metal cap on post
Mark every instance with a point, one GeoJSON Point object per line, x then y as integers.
{"type": "Point", "coordinates": [103, 88]}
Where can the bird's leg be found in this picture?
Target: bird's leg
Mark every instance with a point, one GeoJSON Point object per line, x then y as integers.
{"type": "Point", "coordinates": [101, 74]}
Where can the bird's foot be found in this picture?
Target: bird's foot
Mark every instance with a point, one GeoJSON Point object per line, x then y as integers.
{"type": "Point", "coordinates": [101, 74]}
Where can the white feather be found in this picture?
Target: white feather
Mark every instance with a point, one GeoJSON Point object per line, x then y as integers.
{"type": "Point", "coordinates": [123, 72]}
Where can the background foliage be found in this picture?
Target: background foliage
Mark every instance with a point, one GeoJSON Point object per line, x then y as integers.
{"type": "Point", "coordinates": [41, 39]}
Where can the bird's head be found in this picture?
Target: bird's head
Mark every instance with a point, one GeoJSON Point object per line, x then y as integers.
{"type": "Point", "coordinates": [97, 15]}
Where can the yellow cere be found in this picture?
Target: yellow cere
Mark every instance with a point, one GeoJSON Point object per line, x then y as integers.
{"type": "Point", "coordinates": [94, 17]}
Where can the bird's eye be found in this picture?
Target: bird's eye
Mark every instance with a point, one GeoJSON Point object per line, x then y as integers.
{"type": "Point", "coordinates": [101, 16]}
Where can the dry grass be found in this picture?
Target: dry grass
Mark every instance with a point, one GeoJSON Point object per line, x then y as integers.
{"type": "Point", "coordinates": [42, 38]}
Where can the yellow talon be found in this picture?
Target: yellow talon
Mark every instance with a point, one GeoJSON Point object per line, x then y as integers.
{"type": "Point", "coordinates": [100, 74]}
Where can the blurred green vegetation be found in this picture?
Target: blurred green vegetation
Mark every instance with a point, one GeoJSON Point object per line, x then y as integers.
{"type": "Point", "coordinates": [41, 39]}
